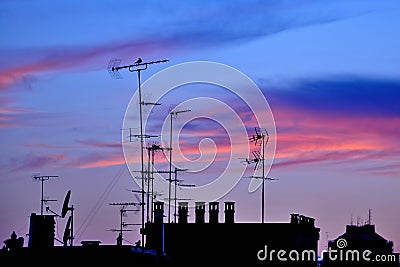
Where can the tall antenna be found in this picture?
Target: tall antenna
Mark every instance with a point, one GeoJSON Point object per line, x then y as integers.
{"type": "Point", "coordinates": [177, 183]}
{"type": "Point", "coordinates": [123, 224]}
{"type": "Point", "coordinates": [172, 113]}
{"type": "Point", "coordinates": [43, 178]}
{"type": "Point", "coordinates": [151, 149]}
{"type": "Point", "coordinates": [261, 138]}
{"type": "Point", "coordinates": [138, 66]}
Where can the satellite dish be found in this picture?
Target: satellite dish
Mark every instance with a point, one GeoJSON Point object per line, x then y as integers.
{"type": "Point", "coordinates": [67, 230]}
{"type": "Point", "coordinates": [65, 205]}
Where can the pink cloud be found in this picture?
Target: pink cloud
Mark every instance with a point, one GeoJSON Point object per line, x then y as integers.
{"type": "Point", "coordinates": [97, 160]}
{"type": "Point", "coordinates": [56, 59]}
{"type": "Point", "coordinates": [12, 75]}
{"type": "Point", "coordinates": [9, 116]}
{"type": "Point", "coordinates": [34, 161]}
{"type": "Point", "coordinates": [305, 136]}
{"type": "Point", "coordinates": [94, 143]}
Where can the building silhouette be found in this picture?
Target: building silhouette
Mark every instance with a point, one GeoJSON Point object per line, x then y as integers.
{"type": "Point", "coordinates": [41, 250]}
{"type": "Point", "coordinates": [179, 243]}
{"type": "Point", "coordinates": [228, 242]}
{"type": "Point", "coordinates": [360, 245]}
{"type": "Point", "coordinates": [206, 240]}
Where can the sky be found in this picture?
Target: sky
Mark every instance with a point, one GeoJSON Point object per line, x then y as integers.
{"type": "Point", "coordinates": [328, 70]}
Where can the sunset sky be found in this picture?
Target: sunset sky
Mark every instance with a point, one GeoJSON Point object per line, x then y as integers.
{"type": "Point", "coordinates": [329, 70]}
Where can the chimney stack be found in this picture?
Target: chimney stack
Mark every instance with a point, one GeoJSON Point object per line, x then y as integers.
{"type": "Point", "coordinates": [41, 231]}
{"type": "Point", "coordinates": [200, 210]}
{"type": "Point", "coordinates": [213, 209]}
{"type": "Point", "coordinates": [229, 212]}
{"type": "Point", "coordinates": [158, 212]}
{"type": "Point", "coordinates": [182, 212]}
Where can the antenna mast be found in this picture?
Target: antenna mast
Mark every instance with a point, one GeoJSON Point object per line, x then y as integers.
{"type": "Point", "coordinates": [172, 113]}
{"type": "Point", "coordinates": [261, 135]}
{"type": "Point", "coordinates": [138, 66]}
{"type": "Point", "coordinates": [43, 178]}
{"type": "Point", "coordinates": [151, 149]}
{"type": "Point", "coordinates": [122, 211]}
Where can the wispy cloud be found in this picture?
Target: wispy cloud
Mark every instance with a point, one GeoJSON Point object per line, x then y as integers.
{"type": "Point", "coordinates": [343, 121]}
{"type": "Point", "coordinates": [37, 161]}
{"type": "Point", "coordinates": [194, 26]}
{"type": "Point", "coordinates": [97, 160]}
{"type": "Point", "coordinates": [347, 121]}
{"type": "Point", "coordinates": [14, 117]}
{"type": "Point", "coordinates": [99, 144]}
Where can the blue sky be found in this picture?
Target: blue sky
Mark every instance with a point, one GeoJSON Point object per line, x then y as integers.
{"type": "Point", "coordinates": [329, 70]}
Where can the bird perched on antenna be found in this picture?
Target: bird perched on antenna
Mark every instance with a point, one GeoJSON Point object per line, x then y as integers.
{"type": "Point", "coordinates": [138, 61]}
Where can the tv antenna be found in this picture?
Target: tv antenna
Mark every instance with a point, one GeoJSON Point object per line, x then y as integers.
{"type": "Point", "coordinates": [260, 138]}
{"type": "Point", "coordinates": [151, 149]}
{"type": "Point", "coordinates": [137, 66]}
{"type": "Point", "coordinates": [43, 178]}
{"type": "Point", "coordinates": [257, 157]}
{"type": "Point", "coordinates": [172, 114]}
{"type": "Point", "coordinates": [177, 182]}
{"type": "Point", "coordinates": [69, 227]}
{"type": "Point", "coordinates": [123, 224]}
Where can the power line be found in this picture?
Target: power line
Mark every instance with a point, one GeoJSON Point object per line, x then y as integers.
{"type": "Point", "coordinates": [86, 222]}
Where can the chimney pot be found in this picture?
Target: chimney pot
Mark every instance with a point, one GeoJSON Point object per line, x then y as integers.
{"type": "Point", "coordinates": [229, 212]}
{"type": "Point", "coordinates": [200, 211]}
{"type": "Point", "coordinates": [213, 209]}
{"type": "Point", "coordinates": [182, 212]}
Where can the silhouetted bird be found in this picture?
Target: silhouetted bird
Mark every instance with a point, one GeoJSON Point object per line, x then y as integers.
{"type": "Point", "coordinates": [138, 61]}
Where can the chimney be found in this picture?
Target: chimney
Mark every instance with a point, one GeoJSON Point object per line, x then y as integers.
{"type": "Point", "coordinates": [199, 211]}
{"type": "Point", "coordinates": [158, 212]}
{"type": "Point", "coordinates": [294, 218]}
{"type": "Point", "coordinates": [229, 212]}
{"type": "Point", "coordinates": [182, 212]}
{"type": "Point", "coordinates": [213, 209]}
{"type": "Point", "coordinates": [41, 231]}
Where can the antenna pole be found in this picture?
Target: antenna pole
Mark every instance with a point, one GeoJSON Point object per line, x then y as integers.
{"type": "Point", "coordinates": [170, 160]}
{"type": "Point", "coordinates": [260, 135]}
{"type": "Point", "coordinates": [42, 198]}
{"type": "Point", "coordinates": [175, 182]}
{"type": "Point", "coordinates": [42, 179]}
{"type": "Point", "coordinates": [141, 153]}
{"type": "Point", "coordinates": [170, 169]}
{"type": "Point", "coordinates": [148, 183]}
{"type": "Point", "coordinates": [152, 184]}
{"type": "Point", "coordinates": [263, 180]}
{"type": "Point", "coordinates": [138, 66]}
{"type": "Point", "coordinates": [122, 224]}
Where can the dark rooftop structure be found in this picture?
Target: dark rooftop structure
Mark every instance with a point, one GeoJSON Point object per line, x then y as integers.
{"type": "Point", "coordinates": [228, 242]}
{"type": "Point", "coordinates": [360, 246]}
{"type": "Point", "coordinates": [41, 250]}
